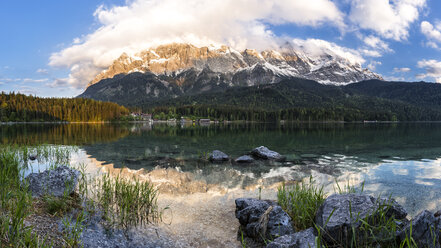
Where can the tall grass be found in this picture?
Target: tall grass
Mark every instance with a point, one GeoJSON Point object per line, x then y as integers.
{"type": "Point", "coordinates": [15, 202]}
{"type": "Point", "coordinates": [128, 203]}
{"type": "Point", "coordinates": [301, 201]}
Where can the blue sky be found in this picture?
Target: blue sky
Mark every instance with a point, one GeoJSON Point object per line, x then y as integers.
{"type": "Point", "coordinates": [53, 48]}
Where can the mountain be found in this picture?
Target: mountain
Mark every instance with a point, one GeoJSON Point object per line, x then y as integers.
{"type": "Point", "coordinates": [183, 69]}
{"type": "Point", "coordinates": [285, 84]}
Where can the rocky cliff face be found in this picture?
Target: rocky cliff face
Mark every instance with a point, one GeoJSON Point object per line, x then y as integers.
{"type": "Point", "coordinates": [175, 70]}
{"type": "Point", "coordinates": [238, 68]}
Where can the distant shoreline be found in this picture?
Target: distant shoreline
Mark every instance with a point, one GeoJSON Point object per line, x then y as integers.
{"type": "Point", "coordinates": [282, 122]}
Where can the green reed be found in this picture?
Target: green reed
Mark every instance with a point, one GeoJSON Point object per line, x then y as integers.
{"type": "Point", "coordinates": [128, 202]}
{"type": "Point", "coordinates": [72, 231]}
{"type": "Point", "coordinates": [301, 201]}
{"type": "Point", "coordinates": [15, 205]}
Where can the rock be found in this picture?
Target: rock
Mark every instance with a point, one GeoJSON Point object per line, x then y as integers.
{"type": "Point", "coordinates": [265, 153]}
{"type": "Point", "coordinates": [425, 230]}
{"type": "Point", "coordinates": [262, 219]}
{"type": "Point", "coordinates": [392, 208]}
{"type": "Point", "coordinates": [244, 159]}
{"type": "Point", "coordinates": [217, 156]}
{"type": "Point", "coordinates": [53, 182]}
{"type": "Point", "coordinates": [347, 210]}
{"type": "Point", "coordinates": [303, 239]}
{"type": "Point", "coordinates": [249, 210]}
{"type": "Point", "coordinates": [33, 157]}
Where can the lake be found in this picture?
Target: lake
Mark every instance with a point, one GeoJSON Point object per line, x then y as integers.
{"type": "Point", "coordinates": [398, 159]}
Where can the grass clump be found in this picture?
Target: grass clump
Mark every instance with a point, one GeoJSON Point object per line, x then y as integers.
{"type": "Point", "coordinates": [61, 205]}
{"type": "Point", "coordinates": [72, 231]}
{"type": "Point", "coordinates": [301, 201]}
{"type": "Point", "coordinates": [15, 205]}
{"type": "Point", "coordinates": [379, 229]}
{"type": "Point", "coordinates": [128, 203]}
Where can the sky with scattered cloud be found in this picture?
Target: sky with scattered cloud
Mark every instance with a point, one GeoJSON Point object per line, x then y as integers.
{"type": "Point", "coordinates": [54, 48]}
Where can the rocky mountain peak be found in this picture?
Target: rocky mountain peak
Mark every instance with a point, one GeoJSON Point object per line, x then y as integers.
{"type": "Point", "coordinates": [177, 58]}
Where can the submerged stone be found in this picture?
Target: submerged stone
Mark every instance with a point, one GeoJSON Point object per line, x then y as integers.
{"type": "Point", "coordinates": [218, 156]}
{"type": "Point", "coordinates": [244, 159]}
{"type": "Point", "coordinates": [265, 153]}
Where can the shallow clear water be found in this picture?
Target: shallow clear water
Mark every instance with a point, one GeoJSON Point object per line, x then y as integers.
{"type": "Point", "coordinates": [402, 160]}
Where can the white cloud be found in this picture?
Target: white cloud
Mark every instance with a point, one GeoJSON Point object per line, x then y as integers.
{"type": "Point", "coordinates": [370, 53]}
{"type": "Point", "coordinates": [390, 19]}
{"type": "Point", "coordinates": [433, 69]}
{"type": "Point", "coordinates": [373, 46]}
{"type": "Point", "coordinates": [432, 45]}
{"type": "Point", "coordinates": [401, 70]}
{"type": "Point", "coordinates": [373, 65]}
{"type": "Point", "coordinates": [9, 80]}
{"type": "Point", "coordinates": [377, 43]}
{"type": "Point", "coordinates": [145, 23]}
{"type": "Point", "coordinates": [432, 33]}
{"type": "Point", "coordinates": [316, 48]}
{"type": "Point", "coordinates": [59, 82]}
{"type": "Point", "coordinates": [42, 71]}
{"type": "Point", "coordinates": [31, 80]}
{"type": "Point", "coordinates": [27, 90]}
{"type": "Point", "coordinates": [394, 78]}
{"type": "Point", "coordinates": [24, 80]}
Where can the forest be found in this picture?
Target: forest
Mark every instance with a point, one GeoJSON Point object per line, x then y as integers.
{"type": "Point", "coordinates": [304, 100]}
{"type": "Point", "coordinates": [21, 108]}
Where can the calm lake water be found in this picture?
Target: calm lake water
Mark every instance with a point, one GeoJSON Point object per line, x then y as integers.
{"type": "Point", "coordinates": [402, 160]}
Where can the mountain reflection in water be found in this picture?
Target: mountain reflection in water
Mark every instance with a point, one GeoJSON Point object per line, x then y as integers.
{"type": "Point", "coordinates": [402, 160]}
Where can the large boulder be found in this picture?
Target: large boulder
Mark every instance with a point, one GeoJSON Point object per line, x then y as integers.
{"type": "Point", "coordinates": [262, 219]}
{"type": "Point", "coordinates": [303, 239]}
{"type": "Point", "coordinates": [57, 182]}
{"type": "Point", "coordinates": [392, 208]}
{"type": "Point", "coordinates": [244, 159]}
{"type": "Point", "coordinates": [425, 230]}
{"type": "Point", "coordinates": [218, 156]}
{"type": "Point", "coordinates": [339, 214]}
{"type": "Point", "coordinates": [265, 153]}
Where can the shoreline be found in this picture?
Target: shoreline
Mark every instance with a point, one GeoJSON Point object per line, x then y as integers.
{"type": "Point", "coordinates": [282, 122]}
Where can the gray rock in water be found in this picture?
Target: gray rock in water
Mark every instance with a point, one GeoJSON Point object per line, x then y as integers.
{"type": "Point", "coordinates": [303, 239]}
{"type": "Point", "coordinates": [265, 153]}
{"type": "Point", "coordinates": [425, 230]}
{"type": "Point", "coordinates": [244, 159]}
{"type": "Point", "coordinates": [262, 219]}
{"type": "Point", "coordinates": [53, 182]}
{"type": "Point", "coordinates": [217, 156]}
{"type": "Point", "coordinates": [33, 157]}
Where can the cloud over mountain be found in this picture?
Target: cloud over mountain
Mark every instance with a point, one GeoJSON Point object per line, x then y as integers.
{"type": "Point", "coordinates": [142, 24]}
{"type": "Point", "coordinates": [433, 69]}
{"type": "Point", "coordinates": [390, 19]}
